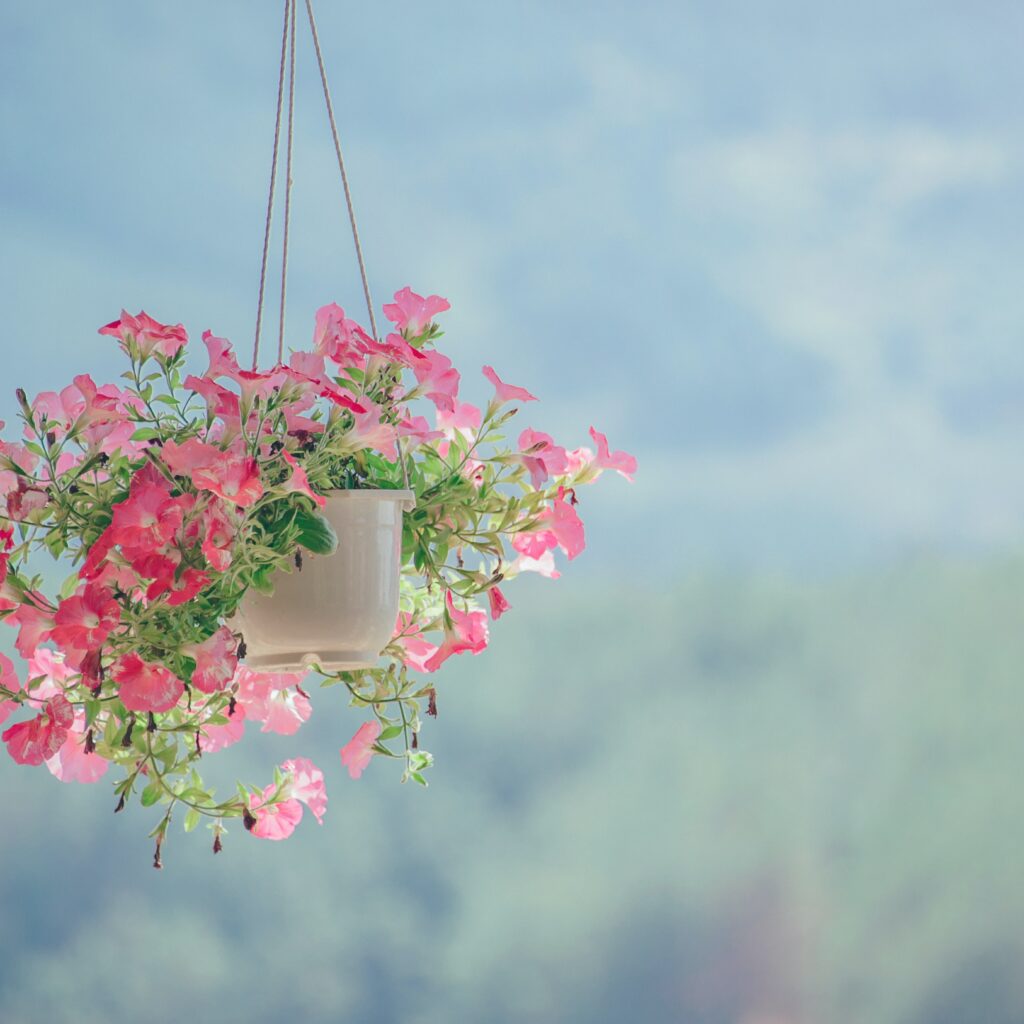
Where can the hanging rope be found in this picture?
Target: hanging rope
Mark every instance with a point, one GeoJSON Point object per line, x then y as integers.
{"type": "Point", "coordinates": [288, 56]}
{"type": "Point", "coordinates": [288, 6]}
{"type": "Point", "coordinates": [287, 184]}
{"type": "Point", "coordinates": [341, 167]}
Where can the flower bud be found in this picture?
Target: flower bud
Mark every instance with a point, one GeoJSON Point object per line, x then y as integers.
{"type": "Point", "coordinates": [248, 819]}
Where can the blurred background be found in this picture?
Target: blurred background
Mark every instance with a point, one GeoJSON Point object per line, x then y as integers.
{"type": "Point", "coordinates": [755, 758]}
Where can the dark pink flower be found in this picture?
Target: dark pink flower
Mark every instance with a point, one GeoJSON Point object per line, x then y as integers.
{"type": "Point", "coordinates": [337, 337]}
{"type": "Point", "coordinates": [499, 603]}
{"type": "Point", "coordinates": [38, 739]}
{"type": "Point", "coordinates": [179, 588]}
{"type": "Point", "coordinates": [86, 619]}
{"type": "Point", "coordinates": [144, 685]}
{"type": "Point", "coordinates": [507, 392]}
{"type": "Point", "coordinates": [358, 752]}
{"type": "Point", "coordinates": [467, 632]}
{"type": "Point", "coordinates": [413, 313]}
{"type": "Point", "coordinates": [234, 477]}
{"type": "Point", "coordinates": [148, 334]}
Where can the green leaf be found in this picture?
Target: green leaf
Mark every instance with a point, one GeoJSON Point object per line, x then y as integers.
{"type": "Point", "coordinates": [262, 579]}
{"type": "Point", "coordinates": [390, 732]}
{"type": "Point", "coordinates": [191, 819]}
{"type": "Point", "coordinates": [150, 795]}
{"type": "Point", "coordinates": [419, 778]}
{"type": "Point", "coordinates": [315, 533]}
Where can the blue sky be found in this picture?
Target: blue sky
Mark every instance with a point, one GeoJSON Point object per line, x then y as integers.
{"type": "Point", "coordinates": [771, 249]}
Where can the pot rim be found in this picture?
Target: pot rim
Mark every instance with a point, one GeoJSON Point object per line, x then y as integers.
{"type": "Point", "coordinates": [406, 497]}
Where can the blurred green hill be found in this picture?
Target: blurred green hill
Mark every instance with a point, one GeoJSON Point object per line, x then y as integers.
{"type": "Point", "coordinates": [746, 800]}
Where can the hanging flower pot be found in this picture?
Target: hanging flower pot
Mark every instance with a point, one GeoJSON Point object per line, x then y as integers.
{"type": "Point", "coordinates": [223, 530]}
{"type": "Point", "coordinates": [335, 610]}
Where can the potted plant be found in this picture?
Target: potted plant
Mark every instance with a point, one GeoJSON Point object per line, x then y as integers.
{"type": "Point", "coordinates": [221, 534]}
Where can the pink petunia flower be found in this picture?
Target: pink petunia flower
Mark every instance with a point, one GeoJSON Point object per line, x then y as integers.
{"type": "Point", "coordinates": [298, 482]}
{"type": "Point", "coordinates": [498, 602]}
{"type": "Point", "coordinates": [507, 392]}
{"type": "Point", "coordinates": [9, 681]}
{"type": "Point", "coordinates": [338, 338]}
{"type": "Point", "coordinates": [306, 785]}
{"type": "Point", "coordinates": [35, 627]}
{"type": "Point", "coordinates": [86, 619]}
{"type": "Point", "coordinates": [216, 661]}
{"type": "Point", "coordinates": [216, 737]}
{"type": "Point", "coordinates": [72, 763]}
{"type": "Point", "coordinates": [274, 821]}
{"type": "Point", "coordinates": [543, 564]}
{"type": "Point", "coordinates": [463, 418]}
{"type": "Point", "coordinates": [369, 430]}
{"type": "Point", "coordinates": [148, 334]}
{"type": "Point", "coordinates": [438, 379]}
{"type": "Point", "coordinates": [358, 752]}
{"type": "Point", "coordinates": [413, 313]}
{"type": "Point", "coordinates": [38, 739]}
{"type": "Point", "coordinates": [144, 685]}
{"type": "Point", "coordinates": [275, 699]}
{"type": "Point", "coordinates": [234, 477]}
{"type": "Point", "coordinates": [467, 633]}
{"type": "Point", "coordinates": [541, 456]}
{"type": "Point", "coordinates": [623, 463]}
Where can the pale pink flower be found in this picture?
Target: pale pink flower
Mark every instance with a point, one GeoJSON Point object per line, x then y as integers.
{"type": "Point", "coordinates": [216, 737]}
{"type": "Point", "coordinates": [274, 821]}
{"type": "Point", "coordinates": [307, 785]}
{"type": "Point", "coordinates": [507, 392]}
{"type": "Point", "coordinates": [543, 564]}
{"type": "Point", "coordinates": [35, 627]}
{"type": "Point", "coordinates": [418, 427]}
{"type": "Point", "coordinates": [358, 752]}
{"type": "Point", "coordinates": [369, 430]}
{"type": "Point", "coordinates": [463, 418]}
{"type": "Point", "coordinates": [416, 648]}
{"type": "Point", "coordinates": [541, 456]}
{"type": "Point", "coordinates": [467, 633]}
{"type": "Point", "coordinates": [623, 463]}
{"type": "Point", "coordinates": [9, 681]}
{"type": "Point", "coordinates": [413, 313]}
{"type": "Point", "coordinates": [72, 763]}
{"type": "Point", "coordinates": [275, 699]}
{"type": "Point", "coordinates": [438, 378]}
{"type": "Point", "coordinates": [298, 482]}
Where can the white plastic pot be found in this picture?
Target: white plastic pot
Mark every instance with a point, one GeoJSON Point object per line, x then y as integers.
{"type": "Point", "coordinates": [339, 611]}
